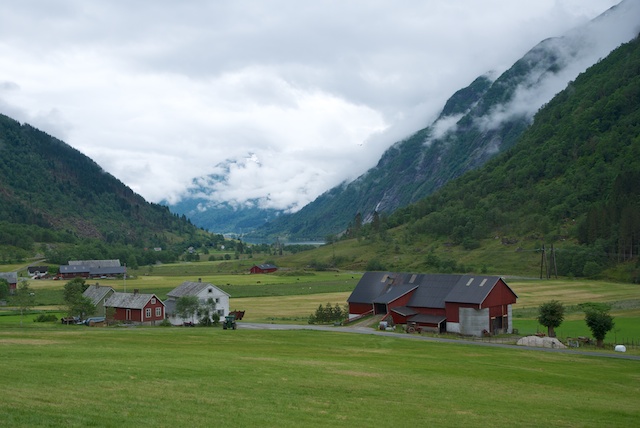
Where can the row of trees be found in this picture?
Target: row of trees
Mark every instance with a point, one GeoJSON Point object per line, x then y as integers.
{"type": "Point", "coordinates": [600, 322]}
{"type": "Point", "coordinates": [329, 314]}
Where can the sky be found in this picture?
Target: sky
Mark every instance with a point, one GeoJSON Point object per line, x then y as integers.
{"type": "Point", "coordinates": [281, 99]}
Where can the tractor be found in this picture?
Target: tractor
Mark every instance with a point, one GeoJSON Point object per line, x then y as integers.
{"type": "Point", "coordinates": [229, 322]}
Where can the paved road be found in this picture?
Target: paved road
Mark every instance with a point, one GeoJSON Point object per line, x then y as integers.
{"type": "Point", "coordinates": [371, 331]}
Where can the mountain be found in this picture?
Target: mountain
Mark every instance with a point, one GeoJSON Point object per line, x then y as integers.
{"type": "Point", "coordinates": [50, 192]}
{"type": "Point", "coordinates": [477, 123]}
{"type": "Point", "coordinates": [570, 184]}
{"type": "Point", "coordinates": [221, 217]}
{"type": "Point", "coordinates": [572, 178]}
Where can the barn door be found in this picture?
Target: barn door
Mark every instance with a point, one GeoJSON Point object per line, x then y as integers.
{"type": "Point", "coordinates": [128, 315]}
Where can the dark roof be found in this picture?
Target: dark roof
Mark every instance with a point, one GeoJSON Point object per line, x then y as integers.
{"type": "Point", "coordinates": [92, 270]}
{"type": "Point", "coordinates": [97, 292]}
{"type": "Point", "coordinates": [267, 266]}
{"type": "Point", "coordinates": [95, 263]}
{"type": "Point", "coordinates": [370, 286]}
{"type": "Point", "coordinates": [405, 311]}
{"type": "Point", "coordinates": [427, 319]}
{"type": "Point", "coordinates": [394, 292]}
{"type": "Point", "coordinates": [472, 289]}
{"type": "Point", "coordinates": [34, 269]}
{"type": "Point", "coordinates": [431, 290]}
{"type": "Point", "coordinates": [129, 300]}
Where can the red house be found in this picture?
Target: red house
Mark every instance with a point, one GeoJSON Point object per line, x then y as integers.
{"type": "Point", "coordinates": [465, 304]}
{"type": "Point", "coordinates": [12, 279]}
{"type": "Point", "coordinates": [136, 308]}
{"type": "Point", "coordinates": [263, 268]}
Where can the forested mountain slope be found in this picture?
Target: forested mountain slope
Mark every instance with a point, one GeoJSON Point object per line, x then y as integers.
{"type": "Point", "coordinates": [574, 176]}
{"type": "Point", "coordinates": [51, 192]}
{"type": "Point", "coordinates": [476, 124]}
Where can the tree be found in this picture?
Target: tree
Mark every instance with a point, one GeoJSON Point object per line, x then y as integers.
{"type": "Point", "coordinates": [551, 315]}
{"type": "Point", "coordinates": [599, 321]}
{"type": "Point", "coordinates": [4, 288]}
{"type": "Point", "coordinates": [25, 298]}
{"type": "Point", "coordinates": [207, 313]}
{"type": "Point", "coordinates": [187, 306]}
{"type": "Point", "coordinates": [77, 304]}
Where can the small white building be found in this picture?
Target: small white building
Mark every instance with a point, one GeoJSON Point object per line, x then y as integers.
{"type": "Point", "coordinates": [203, 291]}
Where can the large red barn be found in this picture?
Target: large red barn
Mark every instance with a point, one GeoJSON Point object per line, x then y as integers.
{"type": "Point", "coordinates": [465, 304]}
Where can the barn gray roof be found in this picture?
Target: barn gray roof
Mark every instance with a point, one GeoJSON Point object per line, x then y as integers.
{"type": "Point", "coordinates": [427, 319]}
{"type": "Point", "coordinates": [192, 288]}
{"type": "Point", "coordinates": [370, 286]}
{"type": "Point", "coordinates": [11, 277]}
{"type": "Point", "coordinates": [431, 290]}
{"type": "Point", "coordinates": [97, 292]}
{"type": "Point", "coordinates": [472, 289]}
{"type": "Point", "coordinates": [129, 300]}
{"type": "Point", "coordinates": [95, 263]}
{"type": "Point", "coordinates": [405, 311]}
{"type": "Point", "coordinates": [394, 292]}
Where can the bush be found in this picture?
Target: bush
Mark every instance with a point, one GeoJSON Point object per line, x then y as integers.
{"type": "Point", "coordinates": [329, 314]}
{"type": "Point", "coordinates": [46, 318]}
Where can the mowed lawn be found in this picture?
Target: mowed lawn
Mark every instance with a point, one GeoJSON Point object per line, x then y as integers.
{"type": "Point", "coordinates": [80, 376]}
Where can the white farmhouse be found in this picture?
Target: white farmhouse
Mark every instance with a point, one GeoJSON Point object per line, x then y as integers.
{"type": "Point", "coordinates": [203, 291]}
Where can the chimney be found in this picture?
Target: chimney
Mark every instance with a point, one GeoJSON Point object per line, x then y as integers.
{"type": "Point", "coordinates": [199, 279]}
{"type": "Point", "coordinates": [135, 291]}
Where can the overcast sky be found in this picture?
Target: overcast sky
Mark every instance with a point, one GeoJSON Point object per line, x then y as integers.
{"type": "Point", "coordinates": [295, 96]}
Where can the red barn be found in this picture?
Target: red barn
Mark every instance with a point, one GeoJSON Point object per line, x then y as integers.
{"type": "Point", "coordinates": [12, 279]}
{"type": "Point", "coordinates": [136, 308]}
{"type": "Point", "coordinates": [465, 304]}
{"type": "Point", "coordinates": [263, 268]}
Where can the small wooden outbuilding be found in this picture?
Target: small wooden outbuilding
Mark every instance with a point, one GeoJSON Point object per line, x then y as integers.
{"type": "Point", "coordinates": [263, 268]}
{"type": "Point", "coordinates": [136, 307]}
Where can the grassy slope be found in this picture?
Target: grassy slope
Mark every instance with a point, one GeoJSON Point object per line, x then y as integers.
{"type": "Point", "coordinates": [75, 376]}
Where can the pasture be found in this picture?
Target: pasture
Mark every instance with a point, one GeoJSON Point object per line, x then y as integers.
{"type": "Point", "coordinates": [81, 376]}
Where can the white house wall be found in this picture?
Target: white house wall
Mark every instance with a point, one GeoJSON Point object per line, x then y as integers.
{"type": "Point", "coordinates": [222, 304]}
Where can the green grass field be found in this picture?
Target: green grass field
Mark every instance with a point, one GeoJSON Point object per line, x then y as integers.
{"type": "Point", "coordinates": [81, 376]}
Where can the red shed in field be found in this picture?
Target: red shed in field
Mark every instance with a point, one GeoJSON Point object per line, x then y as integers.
{"type": "Point", "coordinates": [136, 308]}
{"type": "Point", "coordinates": [263, 268]}
{"type": "Point", "coordinates": [466, 304]}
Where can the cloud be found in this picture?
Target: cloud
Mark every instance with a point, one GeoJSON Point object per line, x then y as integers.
{"type": "Point", "coordinates": [160, 92]}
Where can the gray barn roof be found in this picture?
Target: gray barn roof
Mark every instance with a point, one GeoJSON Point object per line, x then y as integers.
{"type": "Point", "coordinates": [129, 300]}
{"type": "Point", "coordinates": [431, 290]}
{"type": "Point", "coordinates": [192, 288]}
{"type": "Point", "coordinates": [11, 277]}
{"type": "Point", "coordinates": [97, 292]}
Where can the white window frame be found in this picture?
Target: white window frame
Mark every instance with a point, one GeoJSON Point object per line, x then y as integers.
{"type": "Point", "coordinates": [159, 311]}
{"type": "Point", "coordinates": [147, 313]}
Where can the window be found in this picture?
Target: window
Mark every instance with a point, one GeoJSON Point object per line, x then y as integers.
{"type": "Point", "coordinates": [217, 300]}
{"type": "Point", "coordinates": [210, 290]}
{"type": "Point", "coordinates": [147, 313]}
{"type": "Point", "coordinates": [153, 300]}
{"type": "Point", "coordinates": [159, 311]}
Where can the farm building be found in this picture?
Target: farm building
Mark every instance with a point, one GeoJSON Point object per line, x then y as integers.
{"type": "Point", "coordinates": [92, 269]}
{"type": "Point", "coordinates": [98, 294]}
{"type": "Point", "coordinates": [465, 304]}
{"type": "Point", "coordinates": [263, 268]}
{"type": "Point", "coordinates": [203, 291]}
{"type": "Point", "coordinates": [12, 279]}
{"type": "Point", "coordinates": [136, 307]}
{"type": "Point", "coordinates": [37, 271]}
